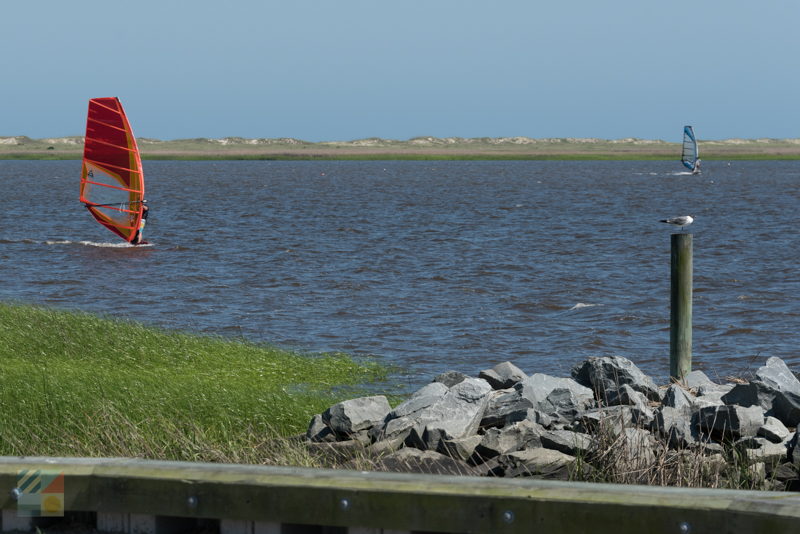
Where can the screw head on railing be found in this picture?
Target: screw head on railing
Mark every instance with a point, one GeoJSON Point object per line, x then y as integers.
{"type": "Point", "coordinates": [192, 501]}
{"type": "Point", "coordinates": [508, 516]}
{"type": "Point", "coordinates": [684, 527]}
{"type": "Point", "coordinates": [344, 504]}
{"type": "Point", "coordinates": [15, 494]}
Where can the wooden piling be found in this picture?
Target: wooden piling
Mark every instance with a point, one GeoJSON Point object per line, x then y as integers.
{"type": "Point", "coordinates": [680, 327]}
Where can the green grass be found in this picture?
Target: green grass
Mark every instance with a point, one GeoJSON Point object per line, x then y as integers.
{"type": "Point", "coordinates": [76, 384]}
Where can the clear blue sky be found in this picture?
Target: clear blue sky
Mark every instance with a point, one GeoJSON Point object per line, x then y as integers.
{"type": "Point", "coordinates": [346, 69]}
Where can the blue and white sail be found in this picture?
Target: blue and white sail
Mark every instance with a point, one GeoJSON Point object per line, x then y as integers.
{"type": "Point", "coordinates": [689, 157]}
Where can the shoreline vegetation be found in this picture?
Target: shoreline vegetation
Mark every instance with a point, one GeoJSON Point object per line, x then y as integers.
{"type": "Point", "coordinates": [418, 148]}
{"type": "Point", "coordinates": [76, 384]}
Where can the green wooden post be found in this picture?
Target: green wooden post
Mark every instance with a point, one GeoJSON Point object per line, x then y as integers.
{"type": "Point", "coordinates": [680, 324]}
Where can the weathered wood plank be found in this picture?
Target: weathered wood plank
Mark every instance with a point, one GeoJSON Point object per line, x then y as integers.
{"type": "Point", "coordinates": [404, 502]}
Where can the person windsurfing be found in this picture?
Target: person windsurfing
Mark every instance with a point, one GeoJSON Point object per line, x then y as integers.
{"type": "Point", "coordinates": [696, 169]}
{"type": "Point", "coordinates": [137, 239]}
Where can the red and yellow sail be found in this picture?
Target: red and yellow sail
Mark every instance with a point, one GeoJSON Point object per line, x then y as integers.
{"type": "Point", "coordinates": [112, 181]}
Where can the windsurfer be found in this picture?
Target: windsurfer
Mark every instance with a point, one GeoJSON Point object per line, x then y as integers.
{"type": "Point", "coordinates": [696, 169]}
{"type": "Point", "coordinates": [137, 239]}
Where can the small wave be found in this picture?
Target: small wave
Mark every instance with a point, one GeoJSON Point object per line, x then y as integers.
{"type": "Point", "coordinates": [736, 331]}
{"type": "Point", "coordinates": [96, 244]}
{"type": "Point", "coordinates": [580, 305]}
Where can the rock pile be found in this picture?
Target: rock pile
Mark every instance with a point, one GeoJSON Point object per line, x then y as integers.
{"type": "Point", "coordinates": [506, 423]}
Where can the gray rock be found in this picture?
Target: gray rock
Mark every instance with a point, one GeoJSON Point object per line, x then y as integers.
{"type": "Point", "coordinates": [559, 398]}
{"type": "Point", "coordinates": [426, 439]}
{"type": "Point", "coordinates": [450, 378]}
{"type": "Point", "coordinates": [606, 420]}
{"type": "Point", "coordinates": [748, 395]}
{"type": "Point", "coordinates": [503, 375]}
{"type": "Point", "coordinates": [318, 431]}
{"type": "Point", "coordinates": [607, 374]}
{"type": "Point", "coordinates": [421, 399]}
{"type": "Point", "coordinates": [641, 412]}
{"type": "Point", "coordinates": [713, 391]}
{"type": "Point", "coordinates": [776, 376]}
{"type": "Point", "coordinates": [567, 441]}
{"type": "Point", "coordinates": [351, 416]}
{"type": "Point", "coordinates": [505, 407]}
{"type": "Point", "coordinates": [540, 463]}
{"type": "Point", "coordinates": [784, 472]}
{"type": "Point", "coordinates": [793, 450]}
{"type": "Point", "coordinates": [729, 423]}
{"type": "Point", "coordinates": [761, 450]}
{"type": "Point", "coordinates": [411, 460]}
{"type": "Point", "coordinates": [774, 430]}
{"type": "Point", "coordinates": [461, 448]}
{"type": "Point", "coordinates": [775, 389]}
{"type": "Point", "coordinates": [695, 379]}
{"type": "Point", "coordinates": [625, 395]}
{"type": "Point", "coordinates": [636, 450]}
{"type": "Point", "coordinates": [786, 407]}
{"type": "Point", "coordinates": [678, 398]}
{"type": "Point", "coordinates": [675, 426]}
{"type": "Point", "coordinates": [451, 413]}
{"type": "Point", "coordinates": [497, 441]}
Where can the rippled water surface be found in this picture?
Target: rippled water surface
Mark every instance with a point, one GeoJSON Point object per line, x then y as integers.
{"type": "Point", "coordinates": [428, 265]}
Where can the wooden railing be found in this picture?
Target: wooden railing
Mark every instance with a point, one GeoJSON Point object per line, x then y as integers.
{"type": "Point", "coordinates": [126, 495]}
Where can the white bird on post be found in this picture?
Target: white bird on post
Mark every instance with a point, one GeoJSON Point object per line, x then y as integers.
{"type": "Point", "coordinates": [683, 221]}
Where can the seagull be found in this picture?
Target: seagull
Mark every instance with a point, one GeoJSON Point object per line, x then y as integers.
{"type": "Point", "coordinates": [683, 221]}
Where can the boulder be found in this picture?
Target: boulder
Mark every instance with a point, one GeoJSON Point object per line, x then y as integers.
{"type": "Point", "coordinates": [678, 398]}
{"type": "Point", "coordinates": [352, 416]}
{"type": "Point", "coordinates": [793, 450]}
{"type": "Point", "coordinates": [508, 406]}
{"type": "Point", "coordinates": [540, 463]}
{"type": "Point", "coordinates": [450, 378]}
{"type": "Point", "coordinates": [560, 398]}
{"type": "Point", "coordinates": [774, 430]}
{"type": "Point", "coordinates": [729, 423]}
{"type": "Point", "coordinates": [503, 375]}
{"type": "Point", "coordinates": [695, 379]}
{"type": "Point", "coordinates": [449, 414]}
{"type": "Point", "coordinates": [567, 441]}
{"type": "Point", "coordinates": [775, 389]}
{"type": "Point", "coordinates": [761, 450]}
{"type": "Point", "coordinates": [461, 448]}
{"type": "Point", "coordinates": [635, 450]}
{"type": "Point", "coordinates": [410, 460]}
{"type": "Point", "coordinates": [675, 426]}
{"type": "Point", "coordinates": [497, 441]}
{"type": "Point", "coordinates": [318, 431]}
{"type": "Point", "coordinates": [607, 374]}
{"type": "Point", "coordinates": [609, 420]}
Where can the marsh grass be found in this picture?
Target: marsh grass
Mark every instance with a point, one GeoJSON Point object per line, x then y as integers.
{"type": "Point", "coordinates": [622, 456]}
{"type": "Point", "coordinates": [76, 384]}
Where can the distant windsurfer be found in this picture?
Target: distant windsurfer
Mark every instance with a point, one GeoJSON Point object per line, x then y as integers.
{"type": "Point", "coordinates": [696, 169]}
{"type": "Point", "coordinates": [137, 239]}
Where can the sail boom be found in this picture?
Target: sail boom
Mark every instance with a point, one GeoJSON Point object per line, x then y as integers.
{"type": "Point", "coordinates": [112, 186]}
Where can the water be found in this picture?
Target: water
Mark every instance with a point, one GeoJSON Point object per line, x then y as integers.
{"type": "Point", "coordinates": [427, 265]}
